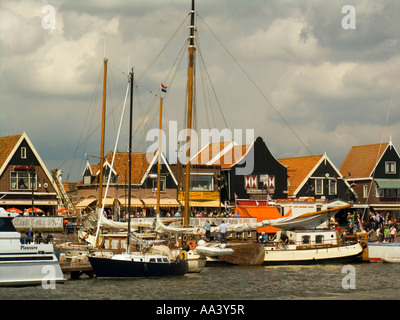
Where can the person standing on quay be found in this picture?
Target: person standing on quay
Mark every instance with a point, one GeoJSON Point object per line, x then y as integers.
{"type": "Point", "coordinates": [222, 230]}
{"type": "Point", "coordinates": [393, 233]}
{"type": "Point", "coordinates": [208, 230]}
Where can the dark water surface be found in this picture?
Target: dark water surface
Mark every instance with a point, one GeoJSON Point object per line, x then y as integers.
{"type": "Point", "coordinates": [371, 281]}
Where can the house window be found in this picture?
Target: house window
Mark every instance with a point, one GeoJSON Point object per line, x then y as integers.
{"type": "Point", "coordinates": [390, 193]}
{"type": "Point", "coordinates": [319, 186]}
{"type": "Point", "coordinates": [163, 181]}
{"type": "Point", "coordinates": [87, 179]}
{"type": "Point", "coordinates": [201, 182]}
{"type": "Point", "coordinates": [365, 191]}
{"type": "Point", "coordinates": [390, 167]}
{"type": "Point", "coordinates": [23, 180]}
{"type": "Point", "coordinates": [332, 187]}
{"type": "Point", "coordinates": [23, 153]}
{"type": "Point", "coordinates": [380, 193]}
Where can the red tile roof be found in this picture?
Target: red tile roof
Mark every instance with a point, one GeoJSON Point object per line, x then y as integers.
{"type": "Point", "coordinates": [139, 165]}
{"type": "Point", "coordinates": [298, 169]}
{"type": "Point", "coordinates": [7, 144]}
{"type": "Point", "coordinates": [361, 160]}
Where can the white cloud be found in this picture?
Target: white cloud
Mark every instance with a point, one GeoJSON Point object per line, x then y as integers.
{"type": "Point", "coordinates": [332, 86]}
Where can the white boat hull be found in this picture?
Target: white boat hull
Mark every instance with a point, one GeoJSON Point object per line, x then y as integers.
{"type": "Point", "coordinates": [378, 252]}
{"type": "Point", "coordinates": [290, 255]}
{"type": "Point", "coordinates": [32, 272]}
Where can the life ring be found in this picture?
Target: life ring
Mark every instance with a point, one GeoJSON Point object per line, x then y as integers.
{"type": "Point", "coordinates": [183, 255]}
{"type": "Point", "coordinates": [191, 244]}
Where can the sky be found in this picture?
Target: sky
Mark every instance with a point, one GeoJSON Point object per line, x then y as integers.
{"type": "Point", "coordinates": [309, 77]}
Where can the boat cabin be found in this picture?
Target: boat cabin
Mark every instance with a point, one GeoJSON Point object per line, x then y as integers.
{"type": "Point", "coordinates": [310, 239]}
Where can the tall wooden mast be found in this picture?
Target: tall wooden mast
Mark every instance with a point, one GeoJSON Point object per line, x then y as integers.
{"type": "Point", "coordinates": [191, 72]}
{"type": "Point", "coordinates": [130, 160]}
{"type": "Point", "coordinates": [159, 153]}
{"type": "Point", "coordinates": [103, 124]}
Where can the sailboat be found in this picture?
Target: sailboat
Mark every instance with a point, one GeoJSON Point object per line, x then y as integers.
{"type": "Point", "coordinates": [134, 264]}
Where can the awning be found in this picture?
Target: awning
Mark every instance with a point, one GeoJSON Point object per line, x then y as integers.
{"type": "Point", "coordinates": [204, 203]}
{"type": "Point", "coordinates": [85, 203]}
{"type": "Point", "coordinates": [134, 202]}
{"type": "Point", "coordinates": [388, 184]}
{"type": "Point", "coordinates": [108, 202]}
{"type": "Point", "coordinates": [151, 202]}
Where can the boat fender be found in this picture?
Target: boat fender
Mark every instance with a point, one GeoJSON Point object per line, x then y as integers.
{"type": "Point", "coordinates": [191, 245]}
{"type": "Point", "coordinates": [363, 245]}
{"type": "Point", "coordinates": [183, 255]}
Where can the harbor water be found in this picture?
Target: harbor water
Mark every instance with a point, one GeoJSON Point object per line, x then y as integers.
{"type": "Point", "coordinates": [360, 281]}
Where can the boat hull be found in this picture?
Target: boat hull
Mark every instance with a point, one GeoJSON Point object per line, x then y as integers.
{"type": "Point", "coordinates": [30, 270]}
{"type": "Point", "coordinates": [244, 254]}
{"type": "Point", "coordinates": [109, 268]}
{"type": "Point", "coordinates": [196, 262]}
{"type": "Point", "coordinates": [378, 252]}
{"type": "Point", "coordinates": [340, 254]}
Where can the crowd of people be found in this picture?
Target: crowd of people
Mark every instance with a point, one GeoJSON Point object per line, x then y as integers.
{"type": "Point", "coordinates": [383, 225]}
{"type": "Point", "coordinates": [166, 212]}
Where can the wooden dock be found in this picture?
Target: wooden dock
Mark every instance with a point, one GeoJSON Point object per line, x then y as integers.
{"type": "Point", "coordinates": [77, 268]}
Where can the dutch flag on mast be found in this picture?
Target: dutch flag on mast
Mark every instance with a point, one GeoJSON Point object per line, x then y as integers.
{"type": "Point", "coordinates": [163, 88]}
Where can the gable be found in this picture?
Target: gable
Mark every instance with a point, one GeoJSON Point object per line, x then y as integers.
{"type": "Point", "coordinates": [388, 166]}
{"type": "Point", "coordinates": [23, 155]}
{"type": "Point", "coordinates": [12, 154]}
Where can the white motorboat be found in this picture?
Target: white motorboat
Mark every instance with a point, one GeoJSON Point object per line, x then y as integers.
{"type": "Point", "coordinates": [387, 252]}
{"type": "Point", "coordinates": [309, 247]}
{"type": "Point", "coordinates": [25, 263]}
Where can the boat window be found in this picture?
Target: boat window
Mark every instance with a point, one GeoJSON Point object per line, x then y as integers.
{"type": "Point", "coordinates": [152, 260]}
{"type": "Point", "coordinates": [6, 225]}
{"type": "Point", "coordinates": [305, 239]}
{"type": "Point", "coordinates": [159, 260]}
{"type": "Point", "coordinates": [165, 260]}
{"type": "Point", "coordinates": [319, 239]}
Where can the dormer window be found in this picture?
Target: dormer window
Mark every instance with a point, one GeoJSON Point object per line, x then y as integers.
{"type": "Point", "coordinates": [23, 153]}
{"type": "Point", "coordinates": [87, 180]}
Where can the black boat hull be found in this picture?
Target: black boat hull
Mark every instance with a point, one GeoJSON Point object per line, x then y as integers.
{"type": "Point", "coordinates": [109, 268]}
